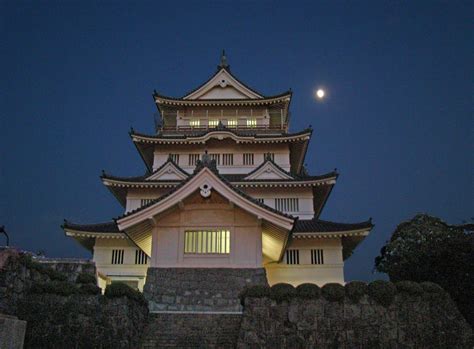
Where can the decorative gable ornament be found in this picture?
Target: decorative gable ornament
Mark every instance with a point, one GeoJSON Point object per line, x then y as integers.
{"type": "Point", "coordinates": [205, 190]}
{"type": "Point", "coordinates": [268, 170]}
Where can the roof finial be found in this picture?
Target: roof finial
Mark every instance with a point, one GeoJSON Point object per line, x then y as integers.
{"type": "Point", "coordinates": [223, 64]}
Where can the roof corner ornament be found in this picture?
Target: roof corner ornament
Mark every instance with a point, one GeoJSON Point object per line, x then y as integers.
{"type": "Point", "coordinates": [223, 64]}
{"type": "Point", "coordinates": [206, 161]}
{"type": "Point", "coordinates": [205, 190]}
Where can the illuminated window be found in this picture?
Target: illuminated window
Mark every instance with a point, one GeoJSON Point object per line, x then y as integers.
{"type": "Point", "coordinates": [287, 204]}
{"type": "Point", "coordinates": [227, 159]}
{"type": "Point", "coordinates": [195, 123]}
{"type": "Point", "coordinates": [248, 158]}
{"type": "Point", "coordinates": [292, 256]}
{"type": "Point", "coordinates": [207, 242]}
{"type": "Point", "coordinates": [213, 123]}
{"type": "Point", "coordinates": [140, 257]}
{"type": "Point", "coordinates": [117, 256]}
{"type": "Point", "coordinates": [251, 122]}
{"type": "Point", "coordinates": [193, 159]}
{"type": "Point", "coordinates": [232, 123]}
{"type": "Point", "coordinates": [317, 257]}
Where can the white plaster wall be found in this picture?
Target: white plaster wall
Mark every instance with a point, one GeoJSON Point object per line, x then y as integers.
{"type": "Point", "coordinates": [245, 232]}
{"type": "Point", "coordinates": [128, 271]}
{"type": "Point", "coordinates": [331, 271]}
{"type": "Point", "coordinates": [135, 195]}
{"type": "Point", "coordinates": [281, 151]}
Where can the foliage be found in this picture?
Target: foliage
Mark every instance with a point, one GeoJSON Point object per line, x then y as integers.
{"type": "Point", "coordinates": [118, 289]}
{"type": "Point", "coordinates": [86, 278]}
{"type": "Point", "coordinates": [333, 292]}
{"type": "Point", "coordinates": [29, 263]}
{"type": "Point", "coordinates": [257, 291]}
{"type": "Point", "coordinates": [382, 291]}
{"type": "Point", "coordinates": [282, 292]}
{"type": "Point", "coordinates": [62, 288]}
{"type": "Point", "coordinates": [89, 289]}
{"type": "Point", "coordinates": [308, 291]}
{"type": "Point", "coordinates": [409, 287]}
{"type": "Point", "coordinates": [431, 287]}
{"type": "Point", "coordinates": [427, 249]}
{"type": "Point", "coordinates": [355, 290]}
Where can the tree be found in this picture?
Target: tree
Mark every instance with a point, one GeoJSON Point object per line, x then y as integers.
{"type": "Point", "coordinates": [427, 249]}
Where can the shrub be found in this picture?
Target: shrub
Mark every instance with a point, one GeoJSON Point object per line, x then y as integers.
{"type": "Point", "coordinates": [431, 287]}
{"type": "Point", "coordinates": [383, 292]}
{"type": "Point", "coordinates": [118, 289]}
{"type": "Point", "coordinates": [27, 261]}
{"type": "Point", "coordinates": [257, 291]}
{"type": "Point", "coordinates": [90, 289]}
{"type": "Point", "coordinates": [333, 292]}
{"type": "Point", "coordinates": [409, 287]}
{"type": "Point", "coordinates": [308, 291]}
{"type": "Point", "coordinates": [86, 278]}
{"type": "Point", "coordinates": [355, 290]}
{"type": "Point", "coordinates": [61, 288]}
{"type": "Point", "coordinates": [282, 292]}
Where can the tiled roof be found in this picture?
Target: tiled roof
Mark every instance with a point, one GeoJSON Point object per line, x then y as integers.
{"type": "Point", "coordinates": [320, 226]}
{"type": "Point", "coordinates": [105, 227]}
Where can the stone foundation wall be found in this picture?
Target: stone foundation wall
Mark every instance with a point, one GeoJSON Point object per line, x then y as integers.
{"type": "Point", "coordinates": [12, 332]}
{"type": "Point", "coordinates": [70, 267]}
{"type": "Point", "coordinates": [199, 289]}
{"type": "Point", "coordinates": [174, 330]}
{"type": "Point", "coordinates": [409, 322]}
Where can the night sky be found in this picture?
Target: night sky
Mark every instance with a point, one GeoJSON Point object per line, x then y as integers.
{"type": "Point", "coordinates": [397, 123]}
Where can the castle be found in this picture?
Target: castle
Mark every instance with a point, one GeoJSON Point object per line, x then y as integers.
{"type": "Point", "coordinates": [225, 191]}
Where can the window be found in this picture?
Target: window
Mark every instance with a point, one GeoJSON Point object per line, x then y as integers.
{"type": "Point", "coordinates": [292, 256]}
{"type": "Point", "coordinates": [261, 200]}
{"type": "Point", "coordinates": [213, 123]}
{"type": "Point", "coordinates": [232, 123]}
{"type": "Point", "coordinates": [144, 202]}
{"type": "Point", "coordinates": [248, 158]}
{"type": "Point", "coordinates": [251, 122]}
{"type": "Point", "coordinates": [317, 257]}
{"type": "Point", "coordinates": [117, 256]}
{"type": "Point", "coordinates": [140, 257]}
{"type": "Point", "coordinates": [227, 159]}
{"type": "Point", "coordinates": [194, 122]}
{"type": "Point", "coordinates": [207, 241]}
{"type": "Point", "coordinates": [174, 158]}
{"type": "Point", "coordinates": [270, 156]}
{"type": "Point", "coordinates": [287, 204]}
{"type": "Point", "coordinates": [193, 159]}
{"type": "Point", "coordinates": [216, 157]}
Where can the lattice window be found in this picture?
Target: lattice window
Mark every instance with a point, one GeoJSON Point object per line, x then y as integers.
{"type": "Point", "coordinates": [248, 158]}
{"type": "Point", "coordinates": [194, 122]}
{"type": "Point", "coordinates": [174, 158]}
{"type": "Point", "coordinates": [117, 256]}
{"type": "Point", "coordinates": [216, 157]}
{"type": "Point", "coordinates": [207, 241]}
{"type": "Point", "coordinates": [287, 204]}
{"type": "Point", "coordinates": [292, 256]}
{"type": "Point", "coordinates": [140, 257]}
{"type": "Point", "coordinates": [144, 202]}
{"type": "Point", "coordinates": [213, 123]}
{"type": "Point", "coordinates": [251, 122]}
{"type": "Point", "coordinates": [193, 159]}
{"type": "Point", "coordinates": [232, 123]}
{"type": "Point", "coordinates": [317, 256]}
{"type": "Point", "coordinates": [227, 159]}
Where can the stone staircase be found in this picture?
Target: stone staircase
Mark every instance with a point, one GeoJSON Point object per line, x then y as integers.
{"type": "Point", "coordinates": [191, 330]}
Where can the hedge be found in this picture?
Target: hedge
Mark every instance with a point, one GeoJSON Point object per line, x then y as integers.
{"type": "Point", "coordinates": [355, 290]}
{"type": "Point", "coordinates": [333, 292]}
{"type": "Point", "coordinates": [308, 291]}
{"type": "Point", "coordinates": [282, 292]}
{"type": "Point", "coordinates": [86, 278]}
{"type": "Point", "coordinates": [118, 289]}
{"type": "Point", "coordinates": [409, 287]}
{"type": "Point", "coordinates": [29, 263]}
{"type": "Point", "coordinates": [383, 292]}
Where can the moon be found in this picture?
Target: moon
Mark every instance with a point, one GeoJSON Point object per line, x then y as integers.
{"type": "Point", "coordinates": [320, 93]}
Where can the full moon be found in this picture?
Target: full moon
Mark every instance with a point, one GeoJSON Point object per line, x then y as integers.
{"type": "Point", "coordinates": [320, 93]}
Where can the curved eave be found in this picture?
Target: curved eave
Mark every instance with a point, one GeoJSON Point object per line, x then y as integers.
{"type": "Point", "coordinates": [162, 100]}
{"type": "Point", "coordinates": [86, 234]}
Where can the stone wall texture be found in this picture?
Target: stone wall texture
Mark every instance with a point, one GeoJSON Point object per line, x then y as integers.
{"type": "Point", "coordinates": [70, 267]}
{"type": "Point", "coordinates": [168, 330]}
{"type": "Point", "coordinates": [199, 289]}
{"type": "Point", "coordinates": [409, 322]}
{"type": "Point", "coordinates": [12, 332]}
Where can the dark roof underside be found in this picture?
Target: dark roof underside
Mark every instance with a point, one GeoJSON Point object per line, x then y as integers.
{"type": "Point", "coordinates": [320, 226]}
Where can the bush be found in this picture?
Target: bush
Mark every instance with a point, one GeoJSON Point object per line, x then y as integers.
{"type": "Point", "coordinates": [118, 289]}
{"type": "Point", "coordinates": [431, 287]}
{"type": "Point", "coordinates": [257, 291]}
{"type": "Point", "coordinates": [308, 291]}
{"type": "Point", "coordinates": [61, 288]}
{"type": "Point", "coordinates": [282, 292]}
{"type": "Point", "coordinates": [409, 287]}
{"type": "Point", "coordinates": [355, 290]}
{"type": "Point", "coordinates": [27, 261]}
{"type": "Point", "coordinates": [86, 278]}
{"type": "Point", "coordinates": [90, 289]}
{"type": "Point", "coordinates": [383, 292]}
{"type": "Point", "coordinates": [333, 292]}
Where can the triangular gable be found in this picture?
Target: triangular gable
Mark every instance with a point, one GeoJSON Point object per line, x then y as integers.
{"type": "Point", "coordinates": [168, 171]}
{"type": "Point", "coordinates": [268, 170]}
{"type": "Point", "coordinates": [223, 85]}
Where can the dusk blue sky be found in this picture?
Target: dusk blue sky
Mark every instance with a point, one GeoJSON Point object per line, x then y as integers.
{"type": "Point", "coordinates": [397, 123]}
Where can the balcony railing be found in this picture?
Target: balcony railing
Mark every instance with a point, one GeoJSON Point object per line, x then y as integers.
{"type": "Point", "coordinates": [204, 128]}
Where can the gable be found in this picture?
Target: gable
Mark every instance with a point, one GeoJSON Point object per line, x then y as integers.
{"type": "Point", "coordinates": [268, 171]}
{"type": "Point", "coordinates": [167, 172]}
{"type": "Point", "coordinates": [223, 86]}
